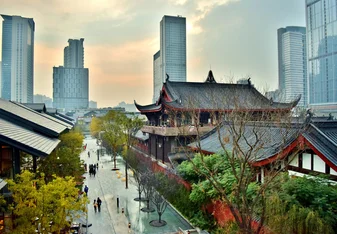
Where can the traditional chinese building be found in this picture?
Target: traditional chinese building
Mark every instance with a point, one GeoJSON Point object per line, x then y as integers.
{"type": "Point", "coordinates": [185, 110]}
{"type": "Point", "coordinates": [299, 148]}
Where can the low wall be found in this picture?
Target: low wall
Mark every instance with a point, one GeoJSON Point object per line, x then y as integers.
{"type": "Point", "coordinates": [218, 209]}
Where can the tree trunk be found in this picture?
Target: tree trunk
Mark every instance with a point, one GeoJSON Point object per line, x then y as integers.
{"type": "Point", "coordinates": [114, 161]}
{"type": "Point", "coordinates": [148, 203]}
{"type": "Point", "coordinates": [139, 194]}
{"type": "Point", "coordinates": [126, 174]}
{"type": "Point", "coordinates": [159, 214]}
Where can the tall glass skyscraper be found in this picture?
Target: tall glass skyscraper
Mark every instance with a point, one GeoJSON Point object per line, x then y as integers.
{"type": "Point", "coordinates": [74, 54]}
{"type": "Point", "coordinates": [17, 80]}
{"type": "Point", "coordinates": [171, 59]}
{"type": "Point", "coordinates": [71, 82]}
{"type": "Point", "coordinates": [321, 21]}
{"type": "Point", "coordinates": [292, 62]}
{"type": "Point", "coordinates": [173, 47]}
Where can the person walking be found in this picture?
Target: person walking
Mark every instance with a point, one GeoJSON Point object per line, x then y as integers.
{"type": "Point", "coordinates": [86, 190]}
{"type": "Point", "coordinates": [95, 206]}
{"type": "Point", "coordinates": [88, 154]}
{"type": "Point", "coordinates": [97, 166]}
{"type": "Point", "coordinates": [94, 172]}
{"type": "Point", "coordinates": [99, 203]}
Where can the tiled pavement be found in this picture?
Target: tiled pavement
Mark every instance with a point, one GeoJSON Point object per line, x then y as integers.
{"type": "Point", "coordinates": [108, 186]}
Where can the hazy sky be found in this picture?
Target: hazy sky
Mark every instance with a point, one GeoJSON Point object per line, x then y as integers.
{"type": "Point", "coordinates": [236, 38]}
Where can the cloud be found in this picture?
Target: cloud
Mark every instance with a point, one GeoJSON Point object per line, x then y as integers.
{"type": "Point", "coordinates": [202, 9]}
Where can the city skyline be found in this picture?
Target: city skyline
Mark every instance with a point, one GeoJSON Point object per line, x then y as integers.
{"type": "Point", "coordinates": [122, 36]}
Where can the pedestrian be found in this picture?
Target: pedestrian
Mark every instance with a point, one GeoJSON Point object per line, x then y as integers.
{"type": "Point", "coordinates": [94, 172]}
{"type": "Point", "coordinates": [86, 190]}
{"type": "Point", "coordinates": [95, 206]}
{"type": "Point", "coordinates": [99, 203]}
{"type": "Point", "coordinates": [88, 154]}
{"type": "Point", "coordinates": [97, 166]}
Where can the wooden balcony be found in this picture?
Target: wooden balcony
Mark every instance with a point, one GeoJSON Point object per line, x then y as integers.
{"type": "Point", "coordinates": [177, 131]}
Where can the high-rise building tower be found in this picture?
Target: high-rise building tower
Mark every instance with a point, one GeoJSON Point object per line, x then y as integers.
{"type": "Point", "coordinates": [71, 82]}
{"type": "Point", "coordinates": [74, 54]}
{"type": "Point", "coordinates": [173, 47]}
{"type": "Point", "coordinates": [172, 56]}
{"type": "Point", "coordinates": [292, 63]}
{"type": "Point", "coordinates": [157, 79]}
{"type": "Point", "coordinates": [17, 79]}
{"type": "Point", "coordinates": [321, 22]}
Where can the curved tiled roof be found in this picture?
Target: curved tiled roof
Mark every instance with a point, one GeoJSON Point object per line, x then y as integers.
{"type": "Point", "coordinates": [23, 115]}
{"type": "Point", "coordinates": [148, 108]}
{"type": "Point", "coordinates": [212, 96]}
{"type": "Point", "coordinates": [26, 140]}
{"type": "Point", "coordinates": [273, 139]}
{"type": "Point", "coordinates": [218, 96]}
{"type": "Point", "coordinates": [323, 136]}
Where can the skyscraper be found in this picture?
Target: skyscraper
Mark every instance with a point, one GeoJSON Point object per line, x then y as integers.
{"type": "Point", "coordinates": [74, 54]}
{"type": "Point", "coordinates": [172, 55]}
{"type": "Point", "coordinates": [321, 22]}
{"type": "Point", "coordinates": [173, 47]}
{"type": "Point", "coordinates": [17, 79]}
{"type": "Point", "coordinates": [71, 82]}
{"type": "Point", "coordinates": [157, 80]}
{"type": "Point", "coordinates": [292, 62]}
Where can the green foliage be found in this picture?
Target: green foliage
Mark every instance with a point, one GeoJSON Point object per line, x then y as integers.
{"type": "Point", "coordinates": [65, 160]}
{"type": "Point", "coordinates": [284, 218]}
{"type": "Point", "coordinates": [314, 193]}
{"type": "Point", "coordinates": [72, 140]}
{"type": "Point", "coordinates": [114, 134]}
{"type": "Point", "coordinates": [220, 170]}
{"type": "Point", "coordinates": [203, 220]}
{"type": "Point", "coordinates": [56, 201]}
{"type": "Point", "coordinates": [96, 126]}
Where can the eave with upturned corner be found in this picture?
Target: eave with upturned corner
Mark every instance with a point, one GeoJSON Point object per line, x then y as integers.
{"type": "Point", "coordinates": [188, 109]}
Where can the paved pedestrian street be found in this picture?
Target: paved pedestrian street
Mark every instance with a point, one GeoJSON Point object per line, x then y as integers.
{"type": "Point", "coordinates": [108, 186]}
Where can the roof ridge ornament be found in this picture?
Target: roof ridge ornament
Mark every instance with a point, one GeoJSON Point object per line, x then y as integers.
{"type": "Point", "coordinates": [210, 77]}
{"type": "Point", "coordinates": [167, 77]}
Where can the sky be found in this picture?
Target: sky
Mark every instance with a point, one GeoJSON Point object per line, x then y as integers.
{"type": "Point", "coordinates": [234, 38]}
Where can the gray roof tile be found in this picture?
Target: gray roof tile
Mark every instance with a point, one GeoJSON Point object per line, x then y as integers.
{"type": "Point", "coordinates": [26, 140]}
{"type": "Point", "coordinates": [19, 112]}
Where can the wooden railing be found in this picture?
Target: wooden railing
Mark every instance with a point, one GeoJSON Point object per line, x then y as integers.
{"type": "Point", "coordinates": [177, 131]}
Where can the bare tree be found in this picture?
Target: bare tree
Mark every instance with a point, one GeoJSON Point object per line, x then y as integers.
{"type": "Point", "coordinates": [147, 179]}
{"type": "Point", "coordinates": [245, 133]}
{"type": "Point", "coordinates": [160, 203]}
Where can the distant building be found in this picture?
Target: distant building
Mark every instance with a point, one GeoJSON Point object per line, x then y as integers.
{"type": "Point", "coordinates": [92, 105]}
{"type": "Point", "coordinates": [292, 62]}
{"type": "Point", "coordinates": [17, 81]}
{"type": "Point", "coordinates": [274, 95]}
{"type": "Point", "coordinates": [321, 22]}
{"type": "Point", "coordinates": [70, 88]}
{"type": "Point", "coordinates": [38, 98]}
{"type": "Point", "coordinates": [170, 60]}
{"type": "Point", "coordinates": [157, 79]}
{"type": "Point", "coordinates": [173, 48]}
{"type": "Point", "coordinates": [74, 54]}
{"type": "Point", "coordinates": [71, 82]}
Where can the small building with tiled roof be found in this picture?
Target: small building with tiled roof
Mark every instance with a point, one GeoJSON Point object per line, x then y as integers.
{"type": "Point", "coordinates": [303, 148]}
{"type": "Point", "coordinates": [23, 129]}
{"type": "Point", "coordinates": [187, 109]}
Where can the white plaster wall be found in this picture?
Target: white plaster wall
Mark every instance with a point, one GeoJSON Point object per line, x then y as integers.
{"type": "Point", "coordinates": [307, 161]}
{"type": "Point", "coordinates": [294, 162]}
{"type": "Point", "coordinates": [319, 164]}
{"type": "Point", "coordinates": [333, 172]}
